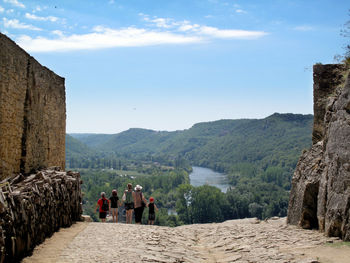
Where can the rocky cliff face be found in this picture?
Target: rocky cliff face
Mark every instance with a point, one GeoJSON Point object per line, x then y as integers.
{"type": "Point", "coordinates": [320, 194]}
{"type": "Point", "coordinates": [32, 113]}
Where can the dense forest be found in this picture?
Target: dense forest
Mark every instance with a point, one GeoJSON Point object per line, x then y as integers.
{"type": "Point", "coordinates": [258, 156]}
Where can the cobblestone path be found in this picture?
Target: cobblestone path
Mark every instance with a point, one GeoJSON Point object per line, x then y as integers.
{"type": "Point", "coordinates": [246, 240]}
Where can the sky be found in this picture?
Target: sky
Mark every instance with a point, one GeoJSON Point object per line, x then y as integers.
{"type": "Point", "coordinates": [168, 64]}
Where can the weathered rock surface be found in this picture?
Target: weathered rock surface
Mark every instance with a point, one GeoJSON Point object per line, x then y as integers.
{"type": "Point", "coordinates": [327, 78]}
{"type": "Point", "coordinates": [34, 207]}
{"type": "Point", "coordinates": [320, 194]}
{"type": "Point", "coordinates": [245, 240]}
{"type": "Point", "coordinates": [32, 113]}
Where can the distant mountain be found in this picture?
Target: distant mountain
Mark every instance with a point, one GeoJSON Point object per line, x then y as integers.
{"type": "Point", "coordinates": [75, 147]}
{"type": "Point", "coordinates": [273, 141]}
{"type": "Point", "coordinates": [91, 139]}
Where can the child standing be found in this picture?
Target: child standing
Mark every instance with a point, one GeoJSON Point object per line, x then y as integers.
{"type": "Point", "coordinates": [114, 203]}
{"type": "Point", "coordinates": [152, 208]}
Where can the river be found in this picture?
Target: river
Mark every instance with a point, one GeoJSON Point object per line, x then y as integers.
{"type": "Point", "coordinates": [201, 176]}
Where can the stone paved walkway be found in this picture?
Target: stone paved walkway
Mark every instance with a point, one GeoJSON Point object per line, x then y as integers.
{"type": "Point", "coordinates": [247, 240]}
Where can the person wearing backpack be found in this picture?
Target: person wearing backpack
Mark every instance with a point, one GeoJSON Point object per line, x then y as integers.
{"type": "Point", "coordinates": [113, 205]}
{"type": "Point", "coordinates": [128, 199]}
{"type": "Point", "coordinates": [103, 203]}
{"type": "Point", "coordinates": [140, 204]}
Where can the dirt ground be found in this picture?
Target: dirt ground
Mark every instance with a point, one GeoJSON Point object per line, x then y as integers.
{"type": "Point", "coordinates": [245, 240]}
{"type": "Point", "coordinates": [51, 249]}
{"type": "Point", "coordinates": [329, 254]}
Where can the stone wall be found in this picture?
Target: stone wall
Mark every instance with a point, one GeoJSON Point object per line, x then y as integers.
{"type": "Point", "coordinates": [320, 194]}
{"type": "Point", "coordinates": [34, 207]}
{"type": "Point", "coordinates": [32, 113]}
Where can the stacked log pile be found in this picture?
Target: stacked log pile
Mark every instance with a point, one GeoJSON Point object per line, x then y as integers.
{"type": "Point", "coordinates": [34, 207]}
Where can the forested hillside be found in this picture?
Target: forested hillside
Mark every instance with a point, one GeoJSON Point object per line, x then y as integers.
{"type": "Point", "coordinates": [75, 148]}
{"type": "Point", "coordinates": [222, 145]}
{"type": "Point", "coordinates": [258, 156]}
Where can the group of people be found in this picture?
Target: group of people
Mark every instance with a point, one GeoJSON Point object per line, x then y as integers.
{"type": "Point", "coordinates": [133, 201]}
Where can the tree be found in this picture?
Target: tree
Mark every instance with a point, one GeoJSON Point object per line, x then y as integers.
{"type": "Point", "coordinates": [207, 203]}
{"type": "Point", "coordinates": [255, 210]}
{"type": "Point", "coordinates": [184, 199]}
{"type": "Point", "coordinates": [345, 32]}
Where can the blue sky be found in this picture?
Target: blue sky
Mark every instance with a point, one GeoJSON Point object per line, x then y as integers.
{"type": "Point", "coordinates": [166, 65]}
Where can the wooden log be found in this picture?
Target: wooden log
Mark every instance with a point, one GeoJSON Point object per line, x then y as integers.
{"type": "Point", "coordinates": [33, 207]}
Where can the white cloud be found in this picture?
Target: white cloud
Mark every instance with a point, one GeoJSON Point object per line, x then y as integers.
{"type": "Point", "coordinates": [214, 32]}
{"type": "Point", "coordinates": [103, 37]}
{"type": "Point", "coordinates": [162, 22]}
{"type": "Point", "coordinates": [164, 31]}
{"type": "Point", "coordinates": [14, 23]}
{"type": "Point", "coordinates": [111, 2]}
{"type": "Point", "coordinates": [144, 17]}
{"type": "Point", "coordinates": [240, 11]}
{"type": "Point", "coordinates": [10, 11]}
{"type": "Point", "coordinates": [15, 3]}
{"type": "Point", "coordinates": [2, 9]}
{"type": "Point", "coordinates": [40, 8]}
{"type": "Point", "coordinates": [41, 18]}
{"type": "Point", "coordinates": [158, 22]}
{"type": "Point", "coordinates": [304, 28]}
{"type": "Point", "coordinates": [58, 33]}
{"type": "Point", "coordinates": [187, 27]}
{"type": "Point", "coordinates": [230, 33]}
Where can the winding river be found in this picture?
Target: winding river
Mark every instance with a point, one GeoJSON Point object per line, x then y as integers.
{"type": "Point", "coordinates": [201, 176]}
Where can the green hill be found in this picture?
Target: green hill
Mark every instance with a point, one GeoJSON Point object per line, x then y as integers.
{"type": "Point", "coordinates": [222, 145]}
{"type": "Point", "coordinates": [258, 156]}
{"type": "Point", "coordinates": [75, 147]}
{"type": "Point", "coordinates": [76, 151]}
{"type": "Point", "coordinates": [91, 139]}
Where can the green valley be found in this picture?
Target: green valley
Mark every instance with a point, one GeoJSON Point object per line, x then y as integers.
{"type": "Point", "coordinates": [258, 156]}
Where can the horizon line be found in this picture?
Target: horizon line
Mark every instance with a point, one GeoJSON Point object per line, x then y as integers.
{"type": "Point", "coordinates": [102, 133]}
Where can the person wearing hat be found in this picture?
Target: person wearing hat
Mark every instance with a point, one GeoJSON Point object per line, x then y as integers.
{"type": "Point", "coordinates": [152, 208]}
{"type": "Point", "coordinates": [113, 205]}
{"type": "Point", "coordinates": [140, 203]}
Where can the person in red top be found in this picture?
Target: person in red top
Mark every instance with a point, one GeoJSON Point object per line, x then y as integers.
{"type": "Point", "coordinates": [103, 203]}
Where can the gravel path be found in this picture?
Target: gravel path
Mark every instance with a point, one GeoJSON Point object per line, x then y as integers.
{"type": "Point", "coordinates": [246, 240]}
